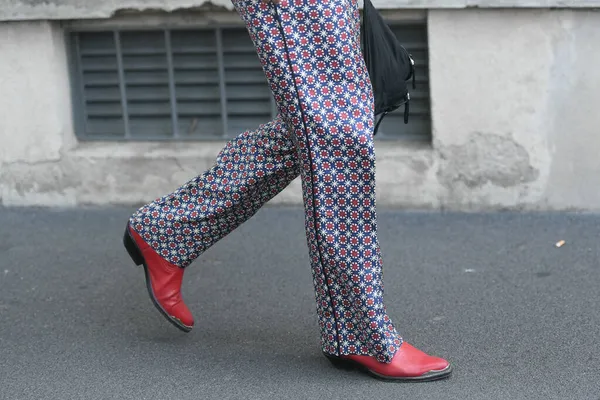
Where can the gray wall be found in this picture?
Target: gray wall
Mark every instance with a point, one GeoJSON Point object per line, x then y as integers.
{"type": "Point", "coordinates": [514, 99]}
{"type": "Point", "coordinates": [513, 111]}
{"type": "Point", "coordinates": [78, 9]}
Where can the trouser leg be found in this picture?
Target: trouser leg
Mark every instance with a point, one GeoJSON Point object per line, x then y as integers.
{"type": "Point", "coordinates": [248, 172]}
{"type": "Point", "coordinates": [311, 56]}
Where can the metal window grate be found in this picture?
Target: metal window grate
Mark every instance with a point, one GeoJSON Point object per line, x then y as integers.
{"type": "Point", "coordinates": [195, 84]}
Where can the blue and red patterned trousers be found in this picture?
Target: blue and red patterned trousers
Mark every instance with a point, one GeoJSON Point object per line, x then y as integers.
{"type": "Point", "coordinates": [311, 56]}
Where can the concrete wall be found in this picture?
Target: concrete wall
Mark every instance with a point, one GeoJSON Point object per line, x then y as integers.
{"type": "Point", "coordinates": [512, 91]}
{"type": "Point", "coordinates": [513, 99]}
{"type": "Point", "coordinates": [79, 9]}
{"type": "Point", "coordinates": [35, 115]}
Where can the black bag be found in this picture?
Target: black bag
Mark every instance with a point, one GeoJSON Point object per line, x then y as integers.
{"type": "Point", "coordinates": [390, 66]}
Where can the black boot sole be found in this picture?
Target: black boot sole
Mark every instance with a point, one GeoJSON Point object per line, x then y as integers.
{"type": "Point", "coordinates": [353, 365]}
{"type": "Point", "coordinates": [136, 255]}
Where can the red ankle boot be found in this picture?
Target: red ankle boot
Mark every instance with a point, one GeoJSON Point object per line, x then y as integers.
{"type": "Point", "coordinates": [163, 280]}
{"type": "Point", "coordinates": [409, 364]}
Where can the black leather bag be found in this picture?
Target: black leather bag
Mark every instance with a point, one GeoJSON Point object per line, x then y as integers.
{"type": "Point", "coordinates": [389, 64]}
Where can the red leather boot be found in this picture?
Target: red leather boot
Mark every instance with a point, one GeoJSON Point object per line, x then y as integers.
{"type": "Point", "coordinates": [408, 364]}
{"type": "Point", "coordinates": [163, 280]}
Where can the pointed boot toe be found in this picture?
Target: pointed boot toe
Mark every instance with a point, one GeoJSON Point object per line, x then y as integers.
{"type": "Point", "coordinates": [408, 364]}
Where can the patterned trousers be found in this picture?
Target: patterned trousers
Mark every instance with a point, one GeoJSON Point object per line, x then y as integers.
{"type": "Point", "coordinates": [311, 56]}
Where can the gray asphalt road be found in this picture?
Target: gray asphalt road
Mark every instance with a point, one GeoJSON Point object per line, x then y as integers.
{"type": "Point", "coordinates": [517, 316]}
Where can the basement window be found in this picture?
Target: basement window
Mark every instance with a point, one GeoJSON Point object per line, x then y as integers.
{"type": "Point", "coordinates": [197, 84]}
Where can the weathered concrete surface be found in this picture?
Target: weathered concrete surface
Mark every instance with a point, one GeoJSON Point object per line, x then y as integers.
{"type": "Point", "coordinates": [514, 126]}
{"type": "Point", "coordinates": [512, 96]}
{"type": "Point", "coordinates": [574, 119]}
{"type": "Point", "coordinates": [35, 105]}
{"type": "Point", "coordinates": [35, 112]}
{"type": "Point", "coordinates": [12, 10]}
{"type": "Point", "coordinates": [133, 173]}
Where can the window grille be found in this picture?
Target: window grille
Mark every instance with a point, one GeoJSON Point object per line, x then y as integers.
{"type": "Point", "coordinates": [195, 84]}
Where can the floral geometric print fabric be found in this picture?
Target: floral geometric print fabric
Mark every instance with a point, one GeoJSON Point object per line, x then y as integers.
{"type": "Point", "coordinates": [248, 172]}
{"type": "Point", "coordinates": [311, 56]}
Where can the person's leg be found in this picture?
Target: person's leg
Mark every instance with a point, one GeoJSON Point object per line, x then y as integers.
{"type": "Point", "coordinates": [322, 88]}
{"type": "Point", "coordinates": [312, 58]}
{"type": "Point", "coordinates": [250, 170]}
{"type": "Point", "coordinates": [169, 233]}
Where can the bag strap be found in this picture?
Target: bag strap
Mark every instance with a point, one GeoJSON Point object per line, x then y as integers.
{"type": "Point", "coordinates": [379, 122]}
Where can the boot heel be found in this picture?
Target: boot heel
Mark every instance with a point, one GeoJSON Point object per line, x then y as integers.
{"type": "Point", "coordinates": [340, 363]}
{"type": "Point", "coordinates": [132, 248]}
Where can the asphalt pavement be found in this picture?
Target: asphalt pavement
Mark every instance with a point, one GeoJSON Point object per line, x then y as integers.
{"type": "Point", "coordinates": [517, 316]}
